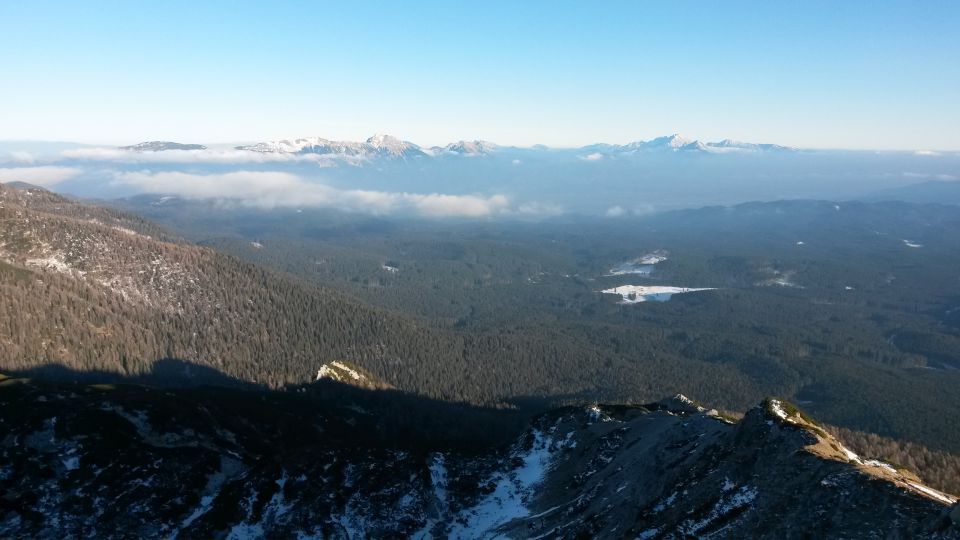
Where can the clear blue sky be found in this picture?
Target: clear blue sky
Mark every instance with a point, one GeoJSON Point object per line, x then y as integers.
{"type": "Point", "coordinates": [844, 74]}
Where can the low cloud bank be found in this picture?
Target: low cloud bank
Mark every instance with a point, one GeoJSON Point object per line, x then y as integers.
{"type": "Point", "coordinates": [44, 176]}
{"type": "Point", "coordinates": [637, 210]}
{"type": "Point", "coordinates": [616, 211]}
{"type": "Point", "coordinates": [212, 156]}
{"type": "Point", "coordinates": [281, 189]}
{"type": "Point", "coordinates": [18, 156]}
{"type": "Point", "coordinates": [927, 176]}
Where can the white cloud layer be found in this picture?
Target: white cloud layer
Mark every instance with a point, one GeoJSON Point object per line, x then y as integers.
{"type": "Point", "coordinates": [638, 210]}
{"type": "Point", "coordinates": [616, 211]}
{"type": "Point", "coordinates": [538, 209]}
{"type": "Point", "coordinates": [280, 189]}
{"type": "Point", "coordinates": [18, 156]}
{"type": "Point", "coordinates": [213, 156]}
{"type": "Point", "coordinates": [927, 176]}
{"type": "Point", "coordinates": [44, 176]}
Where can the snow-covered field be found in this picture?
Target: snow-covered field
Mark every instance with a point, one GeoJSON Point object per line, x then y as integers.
{"type": "Point", "coordinates": [634, 294]}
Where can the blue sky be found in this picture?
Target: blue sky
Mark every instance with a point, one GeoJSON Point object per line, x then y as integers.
{"type": "Point", "coordinates": [883, 75]}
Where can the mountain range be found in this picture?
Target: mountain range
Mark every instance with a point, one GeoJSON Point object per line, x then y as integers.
{"type": "Point", "coordinates": [159, 146]}
{"type": "Point", "coordinates": [387, 146]}
{"type": "Point", "coordinates": [679, 143]}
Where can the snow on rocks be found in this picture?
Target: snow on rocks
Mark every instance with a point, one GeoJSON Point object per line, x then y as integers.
{"type": "Point", "coordinates": [727, 504]}
{"type": "Point", "coordinates": [901, 479]}
{"type": "Point", "coordinates": [596, 414]}
{"type": "Point", "coordinates": [438, 478]}
{"type": "Point", "coordinates": [879, 468]}
{"type": "Point", "coordinates": [850, 454]}
{"type": "Point", "coordinates": [777, 408]}
{"type": "Point", "coordinates": [513, 492]}
{"type": "Point", "coordinates": [338, 371]}
{"type": "Point", "coordinates": [274, 511]}
{"type": "Point", "coordinates": [71, 463]}
{"type": "Point", "coordinates": [932, 493]}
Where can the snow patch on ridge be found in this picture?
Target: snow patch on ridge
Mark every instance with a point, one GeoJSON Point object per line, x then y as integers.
{"type": "Point", "coordinates": [727, 504]}
{"type": "Point", "coordinates": [512, 495]}
{"type": "Point", "coordinates": [777, 409]}
{"type": "Point", "coordinates": [930, 492]}
{"type": "Point", "coordinates": [338, 371]}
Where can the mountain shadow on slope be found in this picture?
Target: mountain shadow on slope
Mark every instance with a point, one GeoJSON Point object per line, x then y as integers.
{"type": "Point", "coordinates": [162, 373]}
{"type": "Point", "coordinates": [370, 417]}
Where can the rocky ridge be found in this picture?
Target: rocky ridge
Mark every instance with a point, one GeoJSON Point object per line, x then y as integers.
{"type": "Point", "coordinates": [116, 461]}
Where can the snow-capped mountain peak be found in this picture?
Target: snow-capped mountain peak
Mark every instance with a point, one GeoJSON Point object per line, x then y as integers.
{"type": "Point", "coordinates": [476, 147]}
{"type": "Point", "coordinates": [377, 145]}
{"type": "Point", "coordinates": [731, 143]}
{"type": "Point", "coordinates": [695, 146]}
{"type": "Point", "coordinates": [670, 141]}
{"type": "Point", "coordinates": [666, 142]}
{"type": "Point", "coordinates": [381, 140]}
{"type": "Point", "coordinates": [390, 145]}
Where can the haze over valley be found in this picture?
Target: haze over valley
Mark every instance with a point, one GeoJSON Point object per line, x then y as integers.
{"type": "Point", "coordinates": [384, 175]}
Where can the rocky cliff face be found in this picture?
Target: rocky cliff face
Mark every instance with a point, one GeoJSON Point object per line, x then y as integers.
{"type": "Point", "coordinates": [122, 461]}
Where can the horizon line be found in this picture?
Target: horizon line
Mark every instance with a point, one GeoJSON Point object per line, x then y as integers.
{"type": "Point", "coordinates": [235, 143]}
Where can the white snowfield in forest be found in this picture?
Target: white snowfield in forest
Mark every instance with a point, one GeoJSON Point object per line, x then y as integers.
{"type": "Point", "coordinates": [634, 294]}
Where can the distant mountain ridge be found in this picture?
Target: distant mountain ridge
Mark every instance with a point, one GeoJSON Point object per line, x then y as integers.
{"type": "Point", "coordinates": [467, 148]}
{"type": "Point", "coordinates": [930, 192]}
{"type": "Point", "coordinates": [679, 143]}
{"type": "Point", "coordinates": [159, 146]}
{"type": "Point", "coordinates": [378, 145]}
{"type": "Point", "coordinates": [388, 146]}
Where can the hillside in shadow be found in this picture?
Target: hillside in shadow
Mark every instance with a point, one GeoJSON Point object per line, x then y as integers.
{"type": "Point", "coordinates": [349, 414]}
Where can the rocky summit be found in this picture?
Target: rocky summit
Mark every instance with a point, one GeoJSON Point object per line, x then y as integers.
{"type": "Point", "coordinates": [331, 461]}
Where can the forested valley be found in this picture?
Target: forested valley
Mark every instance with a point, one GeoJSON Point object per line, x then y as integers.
{"type": "Point", "coordinates": [829, 307]}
